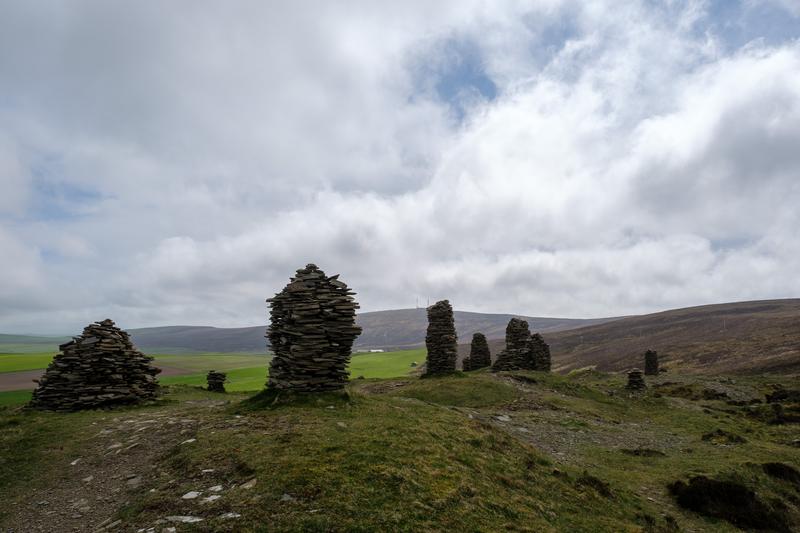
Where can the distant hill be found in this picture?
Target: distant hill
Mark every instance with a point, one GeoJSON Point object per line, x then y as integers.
{"type": "Point", "coordinates": [745, 338]}
{"type": "Point", "coordinates": [397, 329]}
{"type": "Point", "coordinates": [29, 343]}
{"type": "Point", "coordinates": [405, 328]}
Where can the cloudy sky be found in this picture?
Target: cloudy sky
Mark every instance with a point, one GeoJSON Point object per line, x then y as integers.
{"type": "Point", "coordinates": [175, 162]}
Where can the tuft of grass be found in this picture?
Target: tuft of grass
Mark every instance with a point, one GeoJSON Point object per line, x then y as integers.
{"type": "Point", "coordinates": [22, 362]}
{"type": "Point", "coordinates": [14, 398]}
{"type": "Point", "coordinates": [460, 390]}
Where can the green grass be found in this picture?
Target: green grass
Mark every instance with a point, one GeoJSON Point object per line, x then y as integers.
{"type": "Point", "coordinates": [21, 362]}
{"type": "Point", "coordinates": [253, 378]}
{"type": "Point", "coordinates": [377, 464]}
{"type": "Point", "coordinates": [239, 379]}
{"type": "Point", "coordinates": [476, 390]}
{"type": "Point", "coordinates": [385, 365]}
{"type": "Point", "coordinates": [433, 454]}
{"type": "Point", "coordinates": [246, 372]}
{"type": "Point", "coordinates": [14, 397]}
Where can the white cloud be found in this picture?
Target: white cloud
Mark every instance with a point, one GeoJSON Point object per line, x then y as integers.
{"type": "Point", "coordinates": [625, 165]}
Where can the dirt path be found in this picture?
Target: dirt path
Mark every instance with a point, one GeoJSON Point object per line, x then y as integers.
{"type": "Point", "coordinates": [24, 380]}
{"type": "Point", "coordinates": [117, 461]}
{"type": "Point", "coordinates": [19, 380]}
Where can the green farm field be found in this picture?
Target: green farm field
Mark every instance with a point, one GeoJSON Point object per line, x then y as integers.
{"type": "Point", "coordinates": [246, 372]}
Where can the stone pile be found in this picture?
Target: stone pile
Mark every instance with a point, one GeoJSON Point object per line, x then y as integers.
{"type": "Point", "coordinates": [479, 354]}
{"type": "Point", "coordinates": [635, 380]}
{"type": "Point", "coordinates": [516, 355]}
{"type": "Point", "coordinates": [216, 381]}
{"type": "Point", "coordinates": [440, 340]}
{"type": "Point", "coordinates": [650, 363]}
{"type": "Point", "coordinates": [539, 353]}
{"type": "Point", "coordinates": [99, 368]}
{"type": "Point", "coordinates": [312, 330]}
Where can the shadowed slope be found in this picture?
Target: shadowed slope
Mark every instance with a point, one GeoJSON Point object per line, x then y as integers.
{"type": "Point", "coordinates": [743, 338]}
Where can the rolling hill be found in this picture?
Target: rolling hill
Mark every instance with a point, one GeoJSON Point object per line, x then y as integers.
{"type": "Point", "coordinates": [396, 329]}
{"type": "Point", "coordinates": [732, 338]}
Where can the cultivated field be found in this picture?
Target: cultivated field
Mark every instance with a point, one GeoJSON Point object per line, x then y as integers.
{"type": "Point", "coordinates": [246, 372]}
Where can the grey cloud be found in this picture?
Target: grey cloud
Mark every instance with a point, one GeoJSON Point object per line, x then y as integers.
{"type": "Point", "coordinates": [228, 146]}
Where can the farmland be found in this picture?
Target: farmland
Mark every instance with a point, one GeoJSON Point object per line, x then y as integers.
{"type": "Point", "coordinates": [246, 372]}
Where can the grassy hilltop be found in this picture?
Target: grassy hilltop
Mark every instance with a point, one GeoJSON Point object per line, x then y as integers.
{"type": "Point", "coordinates": [475, 452]}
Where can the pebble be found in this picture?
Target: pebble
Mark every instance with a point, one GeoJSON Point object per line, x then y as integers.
{"type": "Point", "coordinates": [191, 495]}
{"type": "Point", "coordinates": [76, 461]}
{"type": "Point", "coordinates": [212, 498]}
{"type": "Point", "coordinates": [87, 479]}
{"type": "Point", "coordinates": [189, 441]}
{"type": "Point", "coordinates": [341, 424]}
{"type": "Point", "coordinates": [226, 516]}
{"type": "Point", "coordinates": [215, 488]}
{"type": "Point", "coordinates": [287, 498]}
{"type": "Point", "coordinates": [184, 519]}
{"type": "Point", "coordinates": [503, 418]}
{"type": "Point", "coordinates": [248, 485]}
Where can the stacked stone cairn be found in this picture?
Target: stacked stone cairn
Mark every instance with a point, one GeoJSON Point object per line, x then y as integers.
{"type": "Point", "coordinates": [99, 368]}
{"type": "Point", "coordinates": [312, 330]}
{"type": "Point", "coordinates": [440, 340]}
{"type": "Point", "coordinates": [479, 354]}
{"type": "Point", "coordinates": [516, 355]}
{"type": "Point", "coordinates": [216, 381]}
{"type": "Point", "coordinates": [635, 380]}
{"type": "Point", "coordinates": [650, 363]}
{"type": "Point", "coordinates": [539, 353]}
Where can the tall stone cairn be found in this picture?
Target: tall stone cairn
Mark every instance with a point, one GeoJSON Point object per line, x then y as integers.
{"type": "Point", "coordinates": [99, 368]}
{"type": "Point", "coordinates": [539, 353]}
{"type": "Point", "coordinates": [312, 330]}
{"type": "Point", "coordinates": [516, 355]}
{"type": "Point", "coordinates": [650, 363]}
{"type": "Point", "coordinates": [440, 340]}
{"type": "Point", "coordinates": [635, 380]}
{"type": "Point", "coordinates": [479, 355]}
{"type": "Point", "coordinates": [216, 381]}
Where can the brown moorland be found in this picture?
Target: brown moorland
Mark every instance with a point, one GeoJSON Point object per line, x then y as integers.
{"type": "Point", "coordinates": [733, 338]}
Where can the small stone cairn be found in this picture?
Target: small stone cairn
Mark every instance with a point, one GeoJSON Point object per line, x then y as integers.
{"type": "Point", "coordinates": [635, 380]}
{"type": "Point", "coordinates": [99, 368]}
{"type": "Point", "coordinates": [216, 381]}
{"type": "Point", "coordinates": [479, 354]}
{"type": "Point", "coordinates": [312, 330]}
{"type": "Point", "coordinates": [650, 363]}
{"type": "Point", "coordinates": [440, 340]}
{"type": "Point", "coordinates": [539, 353]}
{"type": "Point", "coordinates": [516, 355]}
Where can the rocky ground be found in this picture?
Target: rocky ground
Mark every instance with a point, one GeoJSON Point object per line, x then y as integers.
{"type": "Point", "coordinates": [483, 452]}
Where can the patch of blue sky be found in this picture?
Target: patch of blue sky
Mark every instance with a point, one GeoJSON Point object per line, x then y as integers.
{"type": "Point", "coordinates": [455, 74]}
{"type": "Point", "coordinates": [55, 198]}
{"type": "Point", "coordinates": [550, 35]}
{"type": "Point", "coordinates": [741, 22]}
